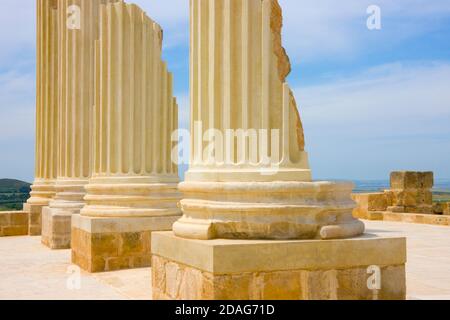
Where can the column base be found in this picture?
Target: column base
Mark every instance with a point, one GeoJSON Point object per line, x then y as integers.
{"type": "Point", "coordinates": [109, 244]}
{"type": "Point", "coordinates": [35, 218]}
{"type": "Point", "coordinates": [185, 269]}
{"type": "Point", "coordinates": [56, 228]}
{"type": "Point", "coordinates": [13, 223]}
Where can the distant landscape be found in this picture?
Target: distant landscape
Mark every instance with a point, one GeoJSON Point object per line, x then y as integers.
{"type": "Point", "coordinates": [441, 190]}
{"type": "Point", "coordinates": [13, 193]}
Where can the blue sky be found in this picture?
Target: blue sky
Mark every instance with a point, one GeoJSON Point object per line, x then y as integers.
{"type": "Point", "coordinates": [371, 101]}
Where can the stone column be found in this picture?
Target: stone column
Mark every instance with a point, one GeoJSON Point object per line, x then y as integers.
{"type": "Point", "coordinates": [133, 188]}
{"type": "Point", "coordinates": [257, 184]}
{"type": "Point", "coordinates": [76, 97]}
{"type": "Point", "coordinates": [46, 168]}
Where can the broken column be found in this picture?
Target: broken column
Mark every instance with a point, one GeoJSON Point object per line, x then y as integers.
{"type": "Point", "coordinates": [46, 155]}
{"type": "Point", "coordinates": [77, 34]}
{"type": "Point", "coordinates": [411, 192]}
{"type": "Point", "coordinates": [133, 188]}
{"type": "Point", "coordinates": [249, 189]}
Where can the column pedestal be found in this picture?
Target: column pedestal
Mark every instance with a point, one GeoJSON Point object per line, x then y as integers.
{"type": "Point", "coordinates": [185, 269]}
{"type": "Point", "coordinates": [41, 195]}
{"type": "Point", "coordinates": [108, 244]}
{"type": "Point", "coordinates": [57, 217]}
{"type": "Point", "coordinates": [56, 226]}
{"type": "Point", "coordinates": [35, 218]}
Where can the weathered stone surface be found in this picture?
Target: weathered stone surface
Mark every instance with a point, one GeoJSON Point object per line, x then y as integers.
{"type": "Point", "coordinates": [412, 180]}
{"type": "Point", "coordinates": [432, 219]}
{"type": "Point", "coordinates": [107, 252]}
{"type": "Point", "coordinates": [438, 207]}
{"type": "Point", "coordinates": [13, 223]}
{"type": "Point", "coordinates": [292, 270]}
{"type": "Point", "coordinates": [56, 228]}
{"type": "Point", "coordinates": [175, 281]}
{"type": "Point", "coordinates": [370, 205]}
{"type": "Point", "coordinates": [106, 244]}
{"type": "Point", "coordinates": [446, 208]}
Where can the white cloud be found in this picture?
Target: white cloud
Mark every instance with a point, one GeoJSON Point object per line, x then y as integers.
{"type": "Point", "coordinates": [387, 118]}
{"type": "Point", "coordinates": [379, 100]}
{"type": "Point", "coordinates": [314, 30]}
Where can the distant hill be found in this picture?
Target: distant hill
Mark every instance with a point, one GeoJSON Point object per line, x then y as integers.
{"type": "Point", "coordinates": [13, 193]}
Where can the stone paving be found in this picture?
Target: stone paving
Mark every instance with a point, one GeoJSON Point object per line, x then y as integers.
{"type": "Point", "coordinates": [28, 270]}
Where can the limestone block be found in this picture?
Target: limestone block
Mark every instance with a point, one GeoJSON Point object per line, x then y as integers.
{"type": "Point", "coordinates": [13, 223]}
{"type": "Point", "coordinates": [412, 180]}
{"type": "Point", "coordinates": [372, 201]}
{"type": "Point", "coordinates": [56, 228]}
{"type": "Point", "coordinates": [34, 217]}
{"type": "Point", "coordinates": [411, 197]}
{"type": "Point", "coordinates": [107, 244]}
{"type": "Point", "coordinates": [438, 207]}
{"type": "Point", "coordinates": [418, 218]}
{"type": "Point", "coordinates": [272, 270]}
{"type": "Point", "coordinates": [446, 208]}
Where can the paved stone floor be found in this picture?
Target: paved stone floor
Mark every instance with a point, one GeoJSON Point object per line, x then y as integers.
{"type": "Point", "coordinates": [29, 270]}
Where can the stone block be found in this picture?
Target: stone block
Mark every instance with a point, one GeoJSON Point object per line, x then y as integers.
{"type": "Point", "coordinates": [277, 270]}
{"type": "Point", "coordinates": [5, 218]}
{"type": "Point", "coordinates": [418, 218]}
{"type": "Point", "coordinates": [108, 244]}
{"type": "Point", "coordinates": [35, 218]}
{"type": "Point", "coordinates": [411, 197]}
{"type": "Point", "coordinates": [438, 208]}
{"type": "Point", "coordinates": [412, 180]}
{"type": "Point", "coordinates": [372, 201]}
{"type": "Point", "coordinates": [13, 223]}
{"type": "Point", "coordinates": [13, 231]}
{"type": "Point", "coordinates": [19, 219]}
{"type": "Point", "coordinates": [446, 208]}
{"type": "Point", "coordinates": [56, 228]}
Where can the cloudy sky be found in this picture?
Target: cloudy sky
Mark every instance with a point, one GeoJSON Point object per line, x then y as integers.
{"type": "Point", "coordinates": [371, 101]}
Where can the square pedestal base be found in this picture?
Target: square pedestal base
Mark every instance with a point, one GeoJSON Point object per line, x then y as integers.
{"type": "Point", "coordinates": [270, 270]}
{"type": "Point", "coordinates": [13, 223]}
{"type": "Point", "coordinates": [108, 244]}
{"type": "Point", "coordinates": [56, 228]}
{"type": "Point", "coordinates": [35, 218]}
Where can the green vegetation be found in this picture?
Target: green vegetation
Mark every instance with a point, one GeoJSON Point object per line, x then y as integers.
{"type": "Point", "coordinates": [13, 193]}
{"type": "Point", "coordinates": [441, 196]}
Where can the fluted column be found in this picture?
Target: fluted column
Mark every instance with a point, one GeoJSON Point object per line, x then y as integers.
{"type": "Point", "coordinates": [249, 176]}
{"type": "Point", "coordinates": [133, 174]}
{"type": "Point", "coordinates": [78, 26]}
{"type": "Point", "coordinates": [76, 98]}
{"type": "Point", "coordinates": [262, 191]}
{"type": "Point", "coordinates": [238, 72]}
{"type": "Point", "coordinates": [46, 103]}
{"type": "Point", "coordinates": [46, 155]}
{"type": "Point", "coordinates": [133, 189]}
